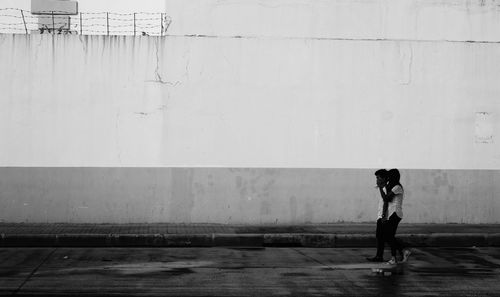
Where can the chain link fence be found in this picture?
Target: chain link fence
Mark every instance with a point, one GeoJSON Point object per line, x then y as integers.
{"type": "Point", "coordinates": [15, 20]}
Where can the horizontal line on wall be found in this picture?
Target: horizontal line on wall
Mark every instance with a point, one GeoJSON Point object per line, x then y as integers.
{"type": "Point", "coordinates": [328, 38]}
{"type": "Point", "coordinates": [274, 38]}
{"type": "Point", "coordinates": [249, 167]}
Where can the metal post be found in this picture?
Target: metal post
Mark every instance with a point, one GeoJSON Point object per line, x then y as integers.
{"type": "Point", "coordinates": [161, 24]}
{"type": "Point", "coordinates": [24, 21]}
{"type": "Point", "coordinates": [134, 23]}
{"type": "Point", "coordinates": [69, 25]}
{"type": "Point", "coordinates": [81, 29]}
{"type": "Point", "coordinates": [53, 24]}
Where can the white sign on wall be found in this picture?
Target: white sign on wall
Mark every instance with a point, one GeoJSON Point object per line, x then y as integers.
{"type": "Point", "coordinates": [483, 129]}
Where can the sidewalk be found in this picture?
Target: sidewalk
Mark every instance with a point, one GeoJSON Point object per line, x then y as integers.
{"type": "Point", "coordinates": [211, 235]}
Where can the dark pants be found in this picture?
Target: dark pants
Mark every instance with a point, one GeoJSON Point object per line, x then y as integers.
{"type": "Point", "coordinates": [380, 238]}
{"type": "Point", "coordinates": [386, 232]}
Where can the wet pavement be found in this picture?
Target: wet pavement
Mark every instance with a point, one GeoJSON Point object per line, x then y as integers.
{"type": "Point", "coordinates": [244, 272]}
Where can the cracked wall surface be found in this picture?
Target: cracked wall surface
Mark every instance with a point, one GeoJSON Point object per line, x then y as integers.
{"type": "Point", "coordinates": [199, 101]}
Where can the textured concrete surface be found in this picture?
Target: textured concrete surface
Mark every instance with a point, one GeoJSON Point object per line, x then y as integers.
{"type": "Point", "coordinates": [166, 228]}
{"type": "Point", "coordinates": [239, 195]}
{"type": "Point", "coordinates": [212, 235]}
{"type": "Point", "coordinates": [244, 272]}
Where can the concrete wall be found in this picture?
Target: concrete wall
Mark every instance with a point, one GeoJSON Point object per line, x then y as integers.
{"type": "Point", "coordinates": [240, 195]}
{"type": "Point", "coordinates": [256, 124]}
{"type": "Point", "coordinates": [452, 20]}
{"type": "Point", "coordinates": [243, 102]}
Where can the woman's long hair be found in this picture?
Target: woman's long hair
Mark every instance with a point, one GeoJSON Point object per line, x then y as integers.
{"type": "Point", "coordinates": [393, 177]}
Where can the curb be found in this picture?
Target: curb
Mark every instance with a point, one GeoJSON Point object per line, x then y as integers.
{"type": "Point", "coordinates": [244, 240]}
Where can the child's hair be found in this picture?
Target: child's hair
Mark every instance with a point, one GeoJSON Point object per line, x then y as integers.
{"type": "Point", "coordinates": [394, 176]}
{"type": "Point", "coordinates": [382, 173]}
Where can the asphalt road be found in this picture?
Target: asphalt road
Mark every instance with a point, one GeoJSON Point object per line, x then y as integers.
{"type": "Point", "coordinates": [244, 272]}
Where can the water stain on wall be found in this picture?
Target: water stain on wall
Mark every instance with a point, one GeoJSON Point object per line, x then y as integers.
{"type": "Point", "coordinates": [182, 200]}
{"type": "Point", "coordinates": [309, 213]}
{"type": "Point", "coordinates": [293, 208]}
{"type": "Point", "coordinates": [265, 208]}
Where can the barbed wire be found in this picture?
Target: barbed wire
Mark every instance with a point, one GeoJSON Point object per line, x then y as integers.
{"type": "Point", "coordinates": [15, 20]}
{"type": "Point", "coordinates": [63, 11]}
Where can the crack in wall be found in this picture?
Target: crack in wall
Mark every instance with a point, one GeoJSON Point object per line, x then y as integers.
{"type": "Point", "coordinates": [147, 113]}
{"type": "Point", "coordinates": [409, 66]}
{"type": "Point", "coordinates": [158, 77]}
{"type": "Point", "coordinates": [188, 62]}
{"type": "Point", "coordinates": [157, 69]}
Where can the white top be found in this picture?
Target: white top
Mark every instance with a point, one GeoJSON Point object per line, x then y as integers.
{"type": "Point", "coordinates": [395, 206]}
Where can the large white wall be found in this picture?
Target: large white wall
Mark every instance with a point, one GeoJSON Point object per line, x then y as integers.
{"type": "Point", "coordinates": [247, 102]}
{"type": "Point", "coordinates": [330, 90]}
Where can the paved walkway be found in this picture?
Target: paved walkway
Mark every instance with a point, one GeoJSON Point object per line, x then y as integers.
{"type": "Point", "coordinates": [308, 235]}
{"type": "Point", "coordinates": [164, 228]}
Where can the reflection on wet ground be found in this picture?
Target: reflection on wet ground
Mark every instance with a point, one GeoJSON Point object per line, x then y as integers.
{"type": "Point", "coordinates": [245, 272]}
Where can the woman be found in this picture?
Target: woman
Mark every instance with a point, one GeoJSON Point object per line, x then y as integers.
{"type": "Point", "coordinates": [394, 195]}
